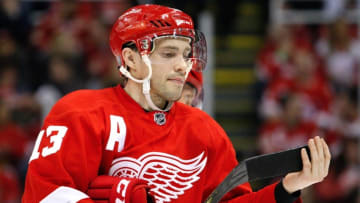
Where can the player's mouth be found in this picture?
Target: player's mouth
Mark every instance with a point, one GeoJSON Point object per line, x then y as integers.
{"type": "Point", "coordinates": [177, 80]}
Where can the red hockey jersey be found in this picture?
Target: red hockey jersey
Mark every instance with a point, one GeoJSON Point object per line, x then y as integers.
{"type": "Point", "coordinates": [183, 154]}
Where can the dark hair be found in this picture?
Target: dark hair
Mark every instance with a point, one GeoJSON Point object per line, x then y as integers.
{"type": "Point", "coordinates": [130, 45]}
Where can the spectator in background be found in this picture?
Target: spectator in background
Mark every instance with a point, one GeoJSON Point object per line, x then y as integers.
{"type": "Point", "coordinates": [61, 18]}
{"type": "Point", "coordinates": [14, 18]}
{"type": "Point", "coordinates": [309, 82]}
{"type": "Point", "coordinates": [273, 59]}
{"type": "Point", "coordinates": [290, 131]}
{"type": "Point", "coordinates": [13, 140]}
{"type": "Point", "coordinates": [17, 100]}
{"type": "Point", "coordinates": [11, 54]}
{"type": "Point", "coordinates": [342, 119]}
{"type": "Point", "coordinates": [348, 121]}
{"type": "Point", "coordinates": [306, 80]}
{"type": "Point", "coordinates": [99, 60]}
{"type": "Point", "coordinates": [192, 93]}
{"type": "Point", "coordinates": [61, 81]}
{"type": "Point", "coordinates": [341, 55]}
{"type": "Point", "coordinates": [62, 31]}
{"type": "Point", "coordinates": [8, 81]}
{"type": "Point", "coordinates": [79, 30]}
{"type": "Point", "coordinates": [12, 148]}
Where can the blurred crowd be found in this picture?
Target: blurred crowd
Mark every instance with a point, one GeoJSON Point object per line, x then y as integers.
{"type": "Point", "coordinates": [47, 49]}
{"type": "Point", "coordinates": [308, 78]}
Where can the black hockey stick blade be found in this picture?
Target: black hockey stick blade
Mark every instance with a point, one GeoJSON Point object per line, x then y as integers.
{"type": "Point", "coordinates": [275, 164]}
{"type": "Point", "coordinates": [257, 168]}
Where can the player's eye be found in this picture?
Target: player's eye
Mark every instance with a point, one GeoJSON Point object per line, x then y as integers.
{"type": "Point", "coordinates": [168, 54]}
{"type": "Point", "coordinates": [186, 56]}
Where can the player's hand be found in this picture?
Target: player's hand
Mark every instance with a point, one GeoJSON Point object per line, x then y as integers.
{"type": "Point", "coordinates": [115, 189]}
{"type": "Point", "coordinates": [314, 171]}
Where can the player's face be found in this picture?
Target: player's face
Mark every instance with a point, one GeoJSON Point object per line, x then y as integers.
{"type": "Point", "coordinates": [169, 66]}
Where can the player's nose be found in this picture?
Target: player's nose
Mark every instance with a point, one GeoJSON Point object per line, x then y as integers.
{"type": "Point", "coordinates": [181, 65]}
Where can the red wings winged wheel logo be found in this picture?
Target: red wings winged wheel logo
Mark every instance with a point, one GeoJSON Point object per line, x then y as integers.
{"type": "Point", "coordinates": [167, 175]}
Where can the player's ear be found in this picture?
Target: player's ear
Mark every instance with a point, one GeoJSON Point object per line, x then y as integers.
{"type": "Point", "coordinates": [131, 58]}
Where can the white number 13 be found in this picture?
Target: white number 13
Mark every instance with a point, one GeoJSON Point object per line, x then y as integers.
{"type": "Point", "coordinates": [55, 139]}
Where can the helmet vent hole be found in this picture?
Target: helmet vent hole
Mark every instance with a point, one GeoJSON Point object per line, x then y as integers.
{"type": "Point", "coordinates": [168, 24]}
{"type": "Point", "coordinates": [160, 23]}
{"type": "Point", "coordinates": [152, 22]}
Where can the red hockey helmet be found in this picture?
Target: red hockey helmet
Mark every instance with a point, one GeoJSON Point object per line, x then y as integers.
{"type": "Point", "coordinates": [195, 79]}
{"type": "Point", "coordinates": [144, 23]}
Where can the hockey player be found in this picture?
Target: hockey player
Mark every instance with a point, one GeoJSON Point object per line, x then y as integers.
{"type": "Point", "coordinates": [192, 93]}
{"type": "Point", "coordinates": [133, 142]}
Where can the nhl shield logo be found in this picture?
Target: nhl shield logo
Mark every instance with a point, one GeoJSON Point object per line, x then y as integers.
{"type": "Point", "coordinates": [159, 118]}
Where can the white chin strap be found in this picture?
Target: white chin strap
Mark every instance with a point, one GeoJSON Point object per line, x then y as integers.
{"type": "Point", "coordinates": [145, 84]}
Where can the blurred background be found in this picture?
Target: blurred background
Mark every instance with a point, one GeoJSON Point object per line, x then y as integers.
{"type": "Point", "coordinates": [279, 72]}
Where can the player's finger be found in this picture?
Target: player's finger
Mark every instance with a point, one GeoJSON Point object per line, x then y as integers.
{"type": "Point", "coordinates": [314, 158]}
{"type": "Point", "coordinates": [321, 156]}
{"type": "Point", "coordinates": [319, 145]}
{"type": "Point", "coordinates": [306, 161]}
{"type": "Point", "coordinates": [327, 156]}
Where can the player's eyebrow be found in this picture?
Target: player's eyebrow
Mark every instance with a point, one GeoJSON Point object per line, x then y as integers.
{"type": "Point", "coordinates": [175, 48]}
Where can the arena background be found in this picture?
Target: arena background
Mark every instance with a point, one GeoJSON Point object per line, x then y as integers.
{"type": "Point", "coordinates": [279, 72]}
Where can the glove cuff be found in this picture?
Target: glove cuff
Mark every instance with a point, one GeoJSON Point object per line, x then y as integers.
{"type": "Point", "coordinates": [129, 190]}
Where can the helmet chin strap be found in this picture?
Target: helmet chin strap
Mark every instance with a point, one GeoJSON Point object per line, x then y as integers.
{"type": "Point", "coordinates": [145, 84]}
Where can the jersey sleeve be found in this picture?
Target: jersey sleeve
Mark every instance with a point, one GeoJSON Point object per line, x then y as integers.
{"type": "Point", "coordinates": [65, 158]}
{"type": "Point", "coordinates": [266, 194]}
{"type": "Point", "coordinates": [222, 160]}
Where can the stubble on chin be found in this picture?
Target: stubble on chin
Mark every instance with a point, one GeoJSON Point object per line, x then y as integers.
{"type": "Point", "coordinates": [173, 94]}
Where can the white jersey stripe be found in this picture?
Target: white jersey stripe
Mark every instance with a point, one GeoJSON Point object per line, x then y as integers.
{"type": "Point", "coordinates": [64, 195]}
